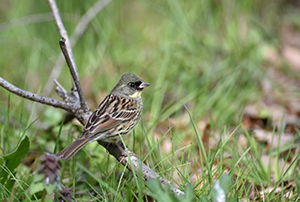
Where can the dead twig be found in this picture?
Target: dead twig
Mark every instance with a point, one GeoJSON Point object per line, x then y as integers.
{"type": "Point", "coordinates": [38, 98]}
{"type": "Point", "coordinates": [78, 32]}
{"type": "Point", "coordinates": [68, 49]}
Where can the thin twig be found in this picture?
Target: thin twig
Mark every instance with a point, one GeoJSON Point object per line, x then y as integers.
{"type": "Point", "coordinates": [62, 43]}
{"type": "Point", "coordinates": [38, 98]}
{"type": "Point", "coordinates": [61, 88]}
{"type": "Point", "coordinates": [78, 32]}
{"type": "Point", "coordinates": [73, 68]}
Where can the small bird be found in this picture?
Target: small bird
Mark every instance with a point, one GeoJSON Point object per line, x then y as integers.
{"type": "Point", "coordinates": [116, 115]}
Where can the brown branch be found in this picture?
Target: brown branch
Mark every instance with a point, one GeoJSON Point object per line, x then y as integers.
{"type": "Point", "coordinates": [138, 165]}
{"type": "Point", "coordinates": [72, 65]}
{"type": "Point", "coordinates": [69, 104]}
{"type": "Point", "coordinates": [78, 32]}
{"type": "Point", "coordinates": [73, 71]}
{"type": "Point", "coordinates": [70, 107]}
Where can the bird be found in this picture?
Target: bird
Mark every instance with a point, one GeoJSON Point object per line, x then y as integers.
{"type": "Point", "coordinates": [116, 115]}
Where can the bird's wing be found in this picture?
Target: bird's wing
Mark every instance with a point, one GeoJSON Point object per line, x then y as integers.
{"type": "Point", "coordinates": [112, 112]}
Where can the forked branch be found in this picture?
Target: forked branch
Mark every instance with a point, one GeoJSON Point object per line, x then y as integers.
{"type": "Point", "coordinates": [71, 63]}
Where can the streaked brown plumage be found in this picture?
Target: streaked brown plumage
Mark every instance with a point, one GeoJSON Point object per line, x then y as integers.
{"type": "Point", "coordinates": [116, 115]}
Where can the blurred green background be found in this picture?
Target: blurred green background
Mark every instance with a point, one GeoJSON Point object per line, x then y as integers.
{"type": "Point", "coordinates": [215, 57]}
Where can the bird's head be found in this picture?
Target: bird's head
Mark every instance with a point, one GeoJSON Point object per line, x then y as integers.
{"type": "Point", "coordinates": [130, 86]}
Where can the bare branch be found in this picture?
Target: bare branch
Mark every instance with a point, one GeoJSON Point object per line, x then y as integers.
{"type": "Point", "coordinates": [78, 32]}
{"type": "Point", "coordinates": [72, 65]}
{"type": "Point", "coordinates": [73, 71]}
{"type": "Point", "coordinates": [38, 98]}
{"type": "Point", "coordinates": [138, 165]}
{"type": "Point", "coordinates": [60, 87]}
{"type": "Point", "coordinates": [67, 97]}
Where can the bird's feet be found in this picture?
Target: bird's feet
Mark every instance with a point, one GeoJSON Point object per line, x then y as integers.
{"type": "Point", "coordinates": [124, 156]}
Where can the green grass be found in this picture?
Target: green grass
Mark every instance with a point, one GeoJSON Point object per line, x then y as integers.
{"type": "Point", "coordinates": [205, 60]}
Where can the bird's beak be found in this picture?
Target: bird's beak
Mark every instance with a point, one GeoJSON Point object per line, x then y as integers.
{"type": "Point", "coordinates": [144, 85]}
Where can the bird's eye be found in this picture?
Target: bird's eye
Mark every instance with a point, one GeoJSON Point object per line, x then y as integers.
{"type": "Point", "coordinates": [132, 85]}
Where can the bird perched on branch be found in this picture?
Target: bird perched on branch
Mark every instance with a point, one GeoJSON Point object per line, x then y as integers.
{"type": "Point", "coordinates": [116, 115]}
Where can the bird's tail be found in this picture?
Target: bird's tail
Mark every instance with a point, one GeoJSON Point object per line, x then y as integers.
{"type": "Point", "coordinates": [72, 149]}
